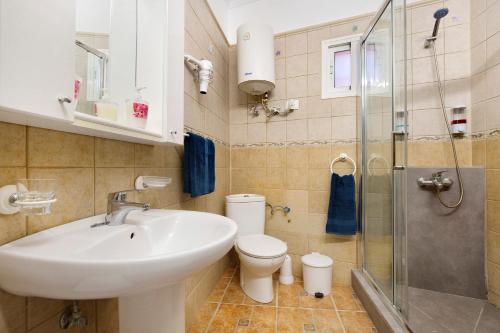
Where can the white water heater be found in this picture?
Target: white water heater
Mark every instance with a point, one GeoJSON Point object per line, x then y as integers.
{"type": "Point", "coordinates": [255, 51]}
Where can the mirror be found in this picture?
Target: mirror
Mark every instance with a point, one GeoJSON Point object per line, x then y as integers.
{"type": "Point", "coordinates": [119, 61]}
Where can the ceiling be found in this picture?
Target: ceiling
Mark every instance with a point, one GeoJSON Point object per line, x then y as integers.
{"type": "Point", "coordinates": [239, 3]}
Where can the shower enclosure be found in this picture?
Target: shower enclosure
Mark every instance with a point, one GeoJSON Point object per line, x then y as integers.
{"type": "Point", "coordinates": [384, 146]}
{"type": "Point", "coordinates": [422, 254]}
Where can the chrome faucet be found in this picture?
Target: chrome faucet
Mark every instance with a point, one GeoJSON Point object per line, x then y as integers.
{"type": "Point", "coordinates": [119, 208]}
{"type": "Point", "coordinates": [437, 181]}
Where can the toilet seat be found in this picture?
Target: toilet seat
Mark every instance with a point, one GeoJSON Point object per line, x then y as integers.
{"type": "Point", "coordinates": [261, 246]}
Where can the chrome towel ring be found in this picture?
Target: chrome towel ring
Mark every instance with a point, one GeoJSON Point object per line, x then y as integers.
{"type": "Point", "coordinates": [342, 158]}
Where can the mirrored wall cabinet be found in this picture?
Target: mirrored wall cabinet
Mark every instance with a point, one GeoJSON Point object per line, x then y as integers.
{"type": "Point", "coordinates": [106, 68]}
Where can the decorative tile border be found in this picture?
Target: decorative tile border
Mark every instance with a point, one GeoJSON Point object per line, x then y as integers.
{"type": "Point", "coordinates": [293, 143]}
{"type": "Point", "coordinates": [480, 135]}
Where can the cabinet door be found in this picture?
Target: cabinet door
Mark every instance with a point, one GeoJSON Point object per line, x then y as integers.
{"type": "Point", "coordinates": [37, 52]}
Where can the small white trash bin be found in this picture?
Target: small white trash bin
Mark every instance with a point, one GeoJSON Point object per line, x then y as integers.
{"type": "Point", "coordinates": [317, 270]}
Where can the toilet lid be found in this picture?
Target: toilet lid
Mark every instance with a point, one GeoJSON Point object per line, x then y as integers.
{"type": "Point", "coordinates": [261, 246]}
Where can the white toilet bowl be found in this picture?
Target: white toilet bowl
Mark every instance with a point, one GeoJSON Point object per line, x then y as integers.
{"type": "Point", "coordinates": [260, 256]}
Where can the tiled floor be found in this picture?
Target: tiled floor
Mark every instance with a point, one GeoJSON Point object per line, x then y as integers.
{"type": "Point", "coordinates": [228, 309]}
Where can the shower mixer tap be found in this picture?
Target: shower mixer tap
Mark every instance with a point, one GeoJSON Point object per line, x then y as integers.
{"type": "Point", "coordinates": [437, 181]}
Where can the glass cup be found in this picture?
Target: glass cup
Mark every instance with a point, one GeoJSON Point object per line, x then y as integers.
{"type": "Point", "coordinates": [36, 196]}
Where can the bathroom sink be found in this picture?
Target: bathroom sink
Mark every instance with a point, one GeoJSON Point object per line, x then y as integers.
{"type": "Point", "coordinates": [143, 261]}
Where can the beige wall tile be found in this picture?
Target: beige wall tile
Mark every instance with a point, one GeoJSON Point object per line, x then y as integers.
{"type": "Point", "coordinates": [423, 69]}
{"type": "Point", "coordinates": [314, 63]}
{"type": "Point", "coordinates": [344, 127]}
{"type": "Point", "coordinates": [296, 44]}
{"type": "Point", "coordinates": [257, 157]}
{"type": "Point", "coordinates": [256, 133]}
{"type": "Point", "coordinates": [319, 129]}
{"type": "Point", "coordinates": [107, 316]}
{"type": "Point", "coordinates": [39, 309]}
{"type": "Point", "coordinates": [296, 65]}
{"type": "Point", "coordinates": [493, 215]}
{"type": "Point", "coordinates": [12, 227]}
{"type": "Point", "coordinates": [13, 309]}
{"type": "Point", "coordinates": [238, 134]}
{"type": "Point", "coordinates": [315, 37]}
{"type": "Point", "coordinates": [280, 68]}
{"type": "Point", "coordinates": [344, 106]}
{"type": "Point", "coordinates": [239, 177]}
{"type": "Point", "coordinates": [239, 158]}
{"type": "Point", "coordinates": [296, 179]}
{"type": "Point", "coordinates": [279, 91]}
{"type": "Point", "coordinates": [13, 143]}
{"type": "Point", "coordinates": [319, 179]}
{"type": "Point", "coordinates": [454, 65]}
{"type": "Point", "coordinates": [314, 85]}
{"type": "Point", "coordinates": [492, 51]}
{"type": "Point", "coordinates": [279, 47]}
{"type": "Point", "coordinates": [493, 184]}
{"type": "Point", "coordinates": [296, 157]}
{"type": "Point", "coordinates": [113, 153]}
{"type": "Point", "coordinates": [457, 38]}
{"type": "Point", "coordinates": [48, 148]}
{"type": "Point", "coordinates": [257, 177]}
{"type": "Point", "coordinates": [493, 246]}
{"type": "Point", "coordinates": [296, 87]}
{"type": "Point", "coordinates": [75, 196]}
{"type": "Point", "coordinates": [319, 108]}
{"type": "Point", "coordinates": [318, 202]}
{"type": "Point", "coordinates": [276, 157]}
{"type": "Point", "coordinates": [319, 156]}
{"type": "Point", "coordinates": [492, 22]}
{"type": "Point", "coordinates": [296, 130]}
{"type": "Point", "coordinates": [297, 200]}
{"type": "Point", "coordinates": [493, 81]}
{"type": "Point", "coordinates": [275, 178]}
{"type": "Point", "coordinates": [478, 152]}
{"type": "Point", "coordinates": [493, 153]}
{"type": "Point", "coordinates": [276, 132]}
{"type": "Point", "coordinates": [109, 180]}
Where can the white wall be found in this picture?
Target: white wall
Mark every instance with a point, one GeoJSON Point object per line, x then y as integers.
{"type": "Point", "coordinates": [286, 15]}
{"type": "Point", "coordinates": [93, 15]}
{"type": "Point", "coordinates": [220, 8]}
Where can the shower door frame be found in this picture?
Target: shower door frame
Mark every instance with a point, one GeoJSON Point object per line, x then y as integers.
{"type": "Point", "coordinates": [398, 305]}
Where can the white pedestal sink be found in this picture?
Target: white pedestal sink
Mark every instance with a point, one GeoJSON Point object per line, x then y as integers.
{"type": "Point", "coordinates": [144, 262]}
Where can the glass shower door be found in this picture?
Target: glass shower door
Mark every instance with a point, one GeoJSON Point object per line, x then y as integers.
{"type": "Point", "coordinates": [384, 152]}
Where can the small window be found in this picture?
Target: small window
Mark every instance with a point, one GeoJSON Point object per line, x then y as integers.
{"type": "Point", "coordinates": [340, 58]}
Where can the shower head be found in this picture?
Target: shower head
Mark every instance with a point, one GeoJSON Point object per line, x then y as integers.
{"type": "Point", "coordinates": [438, 15]}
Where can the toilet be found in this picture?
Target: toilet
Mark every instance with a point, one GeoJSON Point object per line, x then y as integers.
{"type": "Point", "coordinates": [260, 255]}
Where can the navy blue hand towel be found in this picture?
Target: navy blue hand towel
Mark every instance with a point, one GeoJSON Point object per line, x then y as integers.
{"type": "Point", "coordinates": [199, 165]}
{"type": "Point", "coordinates": [342, 206]}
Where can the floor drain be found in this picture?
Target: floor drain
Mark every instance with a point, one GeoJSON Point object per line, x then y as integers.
{"type": "Point", "coordinates": [243, 322]}
{"type": "Point", "coordinates": [309, 327]}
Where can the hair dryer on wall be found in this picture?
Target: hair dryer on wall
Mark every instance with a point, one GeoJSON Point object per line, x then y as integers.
{"type": "Point", "coordinates": [204, 69]}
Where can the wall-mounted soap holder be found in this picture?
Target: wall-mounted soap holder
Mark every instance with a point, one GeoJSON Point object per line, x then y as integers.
{"type": "Point", "coordinates": [146, 182]}
{"type": "Point", "coordinates": [28, 196]}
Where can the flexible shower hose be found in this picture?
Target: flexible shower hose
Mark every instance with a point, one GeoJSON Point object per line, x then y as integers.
{"type": "Point", "coordinates": [443, 108]}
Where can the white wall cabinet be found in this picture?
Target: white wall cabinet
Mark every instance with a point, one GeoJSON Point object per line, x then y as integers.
{"type": "Point", "coordinates": [37, 67]}
{"type": "Point", "coordinates": [37, 57]}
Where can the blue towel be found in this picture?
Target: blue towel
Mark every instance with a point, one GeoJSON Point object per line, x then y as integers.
{"type": "Point", "coordinates": [342, 206]}
{"type": "Point", "coordinates": [199, 165]}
